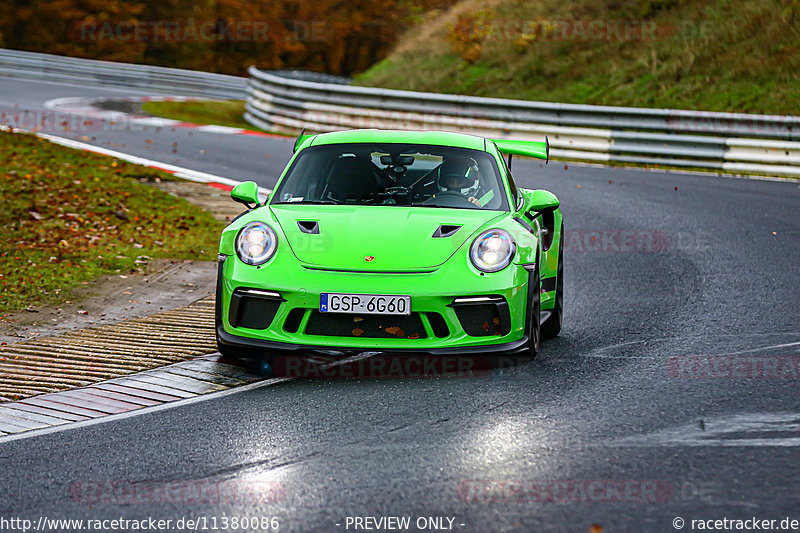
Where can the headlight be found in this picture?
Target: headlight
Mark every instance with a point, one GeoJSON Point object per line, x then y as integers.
{"type": "Point", "coordinates": [492, 251]}
{"type": "Point", "coordinates": [256, 243]}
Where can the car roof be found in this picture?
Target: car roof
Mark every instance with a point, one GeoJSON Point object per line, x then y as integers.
{"type": "Point", "coordinates": [436, 138]}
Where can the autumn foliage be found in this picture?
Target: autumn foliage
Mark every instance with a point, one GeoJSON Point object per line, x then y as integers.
{"type": "Point", "coordinates": [223, 36]}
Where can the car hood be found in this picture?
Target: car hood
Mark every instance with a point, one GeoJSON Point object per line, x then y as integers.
{"type": "Point", "coordinates": [376, 238]}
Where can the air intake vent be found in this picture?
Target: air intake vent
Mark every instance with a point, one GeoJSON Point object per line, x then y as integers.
{"type": "Point", "coordinates": [308, 226]}
{"type": "Point", "coordinates": [446, 230]}
{"type": "Point", "coordinates": [253, 308]}
{"type": "Point", "coordinates": [438, 325]}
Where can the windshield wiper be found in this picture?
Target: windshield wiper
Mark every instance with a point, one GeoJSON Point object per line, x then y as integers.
{"type": "Point", "coordinates": [420, 204]}
{"type": "Point", "coordinates": [312, 202]}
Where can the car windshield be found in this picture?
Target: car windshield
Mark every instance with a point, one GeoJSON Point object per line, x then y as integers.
{"type": "Point", "coordinates": [393, 175]}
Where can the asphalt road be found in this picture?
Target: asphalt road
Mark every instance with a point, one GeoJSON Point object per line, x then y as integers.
{"type": "Point", "coordinates": [617, 422]}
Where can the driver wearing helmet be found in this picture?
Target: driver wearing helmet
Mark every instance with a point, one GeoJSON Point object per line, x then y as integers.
{"type": "Point", "coordinates": [460, 175]}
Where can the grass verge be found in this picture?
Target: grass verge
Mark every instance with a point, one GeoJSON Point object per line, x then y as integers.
{"type": "Point", "coordinates": [714, 55]}
{"type": "Point", "coordinates": [70, 216]}
{"type": "Point", "coordinates": [217, 112]}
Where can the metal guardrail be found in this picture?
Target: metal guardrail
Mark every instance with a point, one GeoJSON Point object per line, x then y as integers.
{"type": "Point", "coordinates": [726, 141]}
{"type": "Point", "coordinates": [87, 71]}
{"type": "Point", "coordinates": [290, 101]}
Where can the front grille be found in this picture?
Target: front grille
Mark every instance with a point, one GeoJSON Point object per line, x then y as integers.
{"type": "Point", "coordinates": [368, 326]}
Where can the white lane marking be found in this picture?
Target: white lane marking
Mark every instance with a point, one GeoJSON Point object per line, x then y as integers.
{"type": "Point", "coordinates": [193, 175]}
{"type": "Point", "coordinates": [787, 345]}
{"type": "Point", "coordinates": [601, 353]}
{"type": "Point", "coordinates": [83, 103]}
{"type": "Point", "coordinates": [70, 103]}
{"type": "Point", "coordinates": [87, 106]}
{"type": "Point", "coordinates": [157, 121]}
{"type": "Point", "coordinates": [726, 431]}
{"type": "Point", "coordinates": [220, 129]}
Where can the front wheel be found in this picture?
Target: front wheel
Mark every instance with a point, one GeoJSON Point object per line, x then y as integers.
{"type": "Point", "coordinates": [234, 353]}
{"type": "Point", "coordinates": [252, 360]}
{"type": "Point", "coordinates": [534, 312]}
{"type": "Point", "coordinates": [552, 326]}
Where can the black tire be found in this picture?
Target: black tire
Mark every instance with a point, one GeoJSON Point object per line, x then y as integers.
{"type": "Point", "coordinates": [534, 312]}
{"type": "Point", "coordinates": [234, 353]}
{"type": "Point", "coordinates": [552, 326]}
{"type": "Point", "coordinates": [255, 361]}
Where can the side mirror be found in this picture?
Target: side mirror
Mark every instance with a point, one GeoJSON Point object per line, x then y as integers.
{"type": "Point", "coordinates": [538, 201]}
{"type": "Point", "coordinates": [246, 193]}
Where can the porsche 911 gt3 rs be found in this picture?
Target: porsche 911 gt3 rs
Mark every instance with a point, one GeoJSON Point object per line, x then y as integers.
{"type": "Point", "coordinates": [401, 241]}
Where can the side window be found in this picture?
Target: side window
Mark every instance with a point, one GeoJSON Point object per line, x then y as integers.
{"type": "Point", "coordinates": [515, 195]}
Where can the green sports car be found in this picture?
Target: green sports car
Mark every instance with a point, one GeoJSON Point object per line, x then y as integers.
{"type": "Point", "coordinates": [393, 241]}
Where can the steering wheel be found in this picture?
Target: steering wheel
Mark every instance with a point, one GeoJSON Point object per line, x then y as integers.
{"type": "Point", "coordinates": [450, 199]}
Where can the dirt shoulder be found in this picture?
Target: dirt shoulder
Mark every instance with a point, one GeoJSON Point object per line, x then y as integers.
{"type": "Point", "coordinates": [163, 285]}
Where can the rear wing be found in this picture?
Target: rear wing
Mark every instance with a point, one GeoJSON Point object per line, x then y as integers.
{"type": "Point", "coordinates": [537, 149]}
{"type": "Point", "coordinates": [301, 139]}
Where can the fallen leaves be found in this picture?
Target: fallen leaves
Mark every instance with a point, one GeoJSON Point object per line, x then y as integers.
{"type": "Point", "coordinates": [394, 330]}
{"type": "Point", "coordinates": [61, 225]}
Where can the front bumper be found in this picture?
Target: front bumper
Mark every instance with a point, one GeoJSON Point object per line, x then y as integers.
{"type": "Point", "coordinates": [294, 291]}
{"type": "Point", "coordinates": [226, 339]}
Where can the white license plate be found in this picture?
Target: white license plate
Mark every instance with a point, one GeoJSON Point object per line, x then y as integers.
{"type": "Point", "coordinates": [364, 304]}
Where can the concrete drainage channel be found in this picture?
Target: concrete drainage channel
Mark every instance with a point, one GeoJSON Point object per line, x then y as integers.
{"type": "Point", "coordinates": [96, 372]}
{"type": "Point", "coordinates": [85, 356]}
{"type": "Point", "coordinates": [179, 381]}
